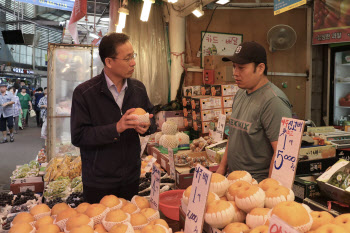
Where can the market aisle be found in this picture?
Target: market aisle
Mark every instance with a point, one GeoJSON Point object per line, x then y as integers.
{"type": "Point", "coordinates": [24, 149]}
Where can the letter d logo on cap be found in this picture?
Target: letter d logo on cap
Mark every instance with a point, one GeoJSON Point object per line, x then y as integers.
{"type": "Point", "coordinates": [238, 49]}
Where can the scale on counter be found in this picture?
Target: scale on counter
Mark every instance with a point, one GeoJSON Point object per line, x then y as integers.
{"type": "Point", "coordinates": [340, 139]}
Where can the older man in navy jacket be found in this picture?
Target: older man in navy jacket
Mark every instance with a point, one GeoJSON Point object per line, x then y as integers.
{"type": "Point", "coordinates": [101, 124]}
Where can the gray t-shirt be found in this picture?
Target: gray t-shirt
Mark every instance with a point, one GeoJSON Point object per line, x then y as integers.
{"type": "Point", "coordinates": [254, 124]}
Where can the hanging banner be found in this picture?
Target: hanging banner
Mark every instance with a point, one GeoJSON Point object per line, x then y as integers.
{"type": "Point", "coordinates": [280, 6]}
{"type": "Point", "coordinates": [79, 11]}
{"type": "Point", "coordinates": [331, 22]}
{"type": "Point", "coordinates": [66, 5]}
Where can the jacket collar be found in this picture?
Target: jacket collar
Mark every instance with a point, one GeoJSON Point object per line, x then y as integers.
{"type": "Point", "coordinates": [104, 87]}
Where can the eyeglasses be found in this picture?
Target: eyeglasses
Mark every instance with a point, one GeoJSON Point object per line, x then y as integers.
{"type": "Point", "coordinates": [128, 59]}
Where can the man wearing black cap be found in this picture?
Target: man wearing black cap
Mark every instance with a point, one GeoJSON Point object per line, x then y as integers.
{"type": "Point", "coordinates": [257, 111]}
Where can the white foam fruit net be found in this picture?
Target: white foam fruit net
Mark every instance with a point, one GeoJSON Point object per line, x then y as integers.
{"type": "Point", "coordinates": [169, 141]}
{"type": "Point", "coordinates": [183, 138]}
{"type": "Point", "coordinates": [169, 127]}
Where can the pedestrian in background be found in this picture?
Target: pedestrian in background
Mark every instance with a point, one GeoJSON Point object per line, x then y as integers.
{"type": "Point", "coordinates": [17, 110]}
{"type": "Point", "coordinates": [37, 96]}
{"type": "Point", "coordinates": [26, 105]}
{"type": "Point", "coordinates": [6, 112]}
{"type": "Point", "coordinates": [43, 113]}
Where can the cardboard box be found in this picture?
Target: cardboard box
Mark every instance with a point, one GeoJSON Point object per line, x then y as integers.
{"type": "Point", "coordinates": [201, 103]}
{"type": "Point", "coordinates": [212, 153]}
{"type": "Point", "coordinates": [176, 116]}
{"type": "Point", "coordinates": [343, 154]}
{"type": "Point", "coordinates": [187, 111]}
{"type": "Point", "coordinates": [310, 167]}
{"type": "Point", "coordinates": [186, 101]}
{"type": "Point", "coordinates": [228, 112]}
{"type": "Point", "coordinates": [209, 76]}
{"type": "Point", "coordinates": [37, 187]}
{"type": "Point", "coordinates": [201, 126]}
{"type": "Point", "coordinates": [227, 101]}
{"type": "Point", "coordinates": [205, 89]}
{"type": "Point", "coordinates": [206, 115]}
{"type": "Point", "coordinates": [35, 179]}
{"type": "Point", "coordinates": [331, 191]}
{"type": "Point", "coordinates": [183, 180]}
{"type": "Point", "coordinates": [156, 154]}
{"type": "Point", "coordinates": [164, 163]}
{"type": "Point", "coordinates": [334, 193]}
{"type": "Point", "coordinates": [216, 102]}
{"type": "Point", "coordinates": [191, 91]}
{"type": "Point", "coordinates": [224, 74]}
{"type": "Point", "coordinates": [317, 152]}
{"type": "Point", "coordinates": [214, 61]}
{"type": "Point", "coordinates": [305, 187]}
{"type": "Point", "coordinates": [224, 90]}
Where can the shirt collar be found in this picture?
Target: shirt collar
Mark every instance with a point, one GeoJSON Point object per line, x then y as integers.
{"type": "Point", "coordinates": [111, 84]}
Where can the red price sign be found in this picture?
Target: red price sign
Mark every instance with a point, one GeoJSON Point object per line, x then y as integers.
{"type": "Point", "coordinates": [277, 225]}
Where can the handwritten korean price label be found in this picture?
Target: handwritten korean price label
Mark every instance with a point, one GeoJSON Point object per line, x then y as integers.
{"type": "Point", "coordinates": [277, 225]}
{"type": "Point", "coordinates": [197, 200]}
{"type": "Point", "coordinates": [219, 134]}
{"type": "Point", "coordinates": [150, 164]}
{"type": "Point", "coordinates": [155, 180]}
{"type": "Point", "coordinates": [287, 152]}
{"type": "Point", "coordinates": [171, 163]}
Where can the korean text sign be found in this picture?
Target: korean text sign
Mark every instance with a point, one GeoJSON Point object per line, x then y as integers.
{"type": "Point", "coordinates": [155, 181]}
{"type": "Point", "coordinates": [171, 163]}
{"type": "Point", "coordinates": [277, 225]}
{"type": "Point", "coordinates": [287, 151]}
{"type": "Point", "coordinates": [197, 200]}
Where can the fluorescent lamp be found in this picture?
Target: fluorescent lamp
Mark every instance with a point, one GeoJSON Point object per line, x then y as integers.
{"type": "Point", "coordinates": [198, 12]}
{"type": "Point", "coordinates": [119, 29]}
{"type": "Point", "coordinates": [93, 35]}
{"type": "Point", "coordinates": [146, 9]}
{"type": "Point", "coordinates": [172, 1]}
{"type": "Point", "coordinates": [123, 12]}
{"type": "Point", "coordinates": [222, 2]}
{"type": "Point", "coordinates": [105, 19]}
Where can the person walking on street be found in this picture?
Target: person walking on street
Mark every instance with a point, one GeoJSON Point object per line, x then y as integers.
{"type": "Point", "coordinates": [17, 109]}
{"type": "Point", "coordinates": [43, 113]}
{"type": "Point", "coordinates": [37, 96]}
{"type": "Point", "coordinates": [6, 112]}
{"type": "Point", "coordinates": [26, 105]}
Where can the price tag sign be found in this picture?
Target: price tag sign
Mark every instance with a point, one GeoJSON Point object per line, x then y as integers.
{"type": "Point", "coordinates": [287, 151]}
{"type": "Point", "coordinates": [150, 164]}
{"type": "Point", "coordinates": [277, 225]}
{"type": "Point", "coordinates": [144, 141]}
{"type": "Point", "coordinates": [155, 181]}
{"type": "Point", "coordinates": [198, 199]}
{"type": "Point", "coordinates": [220, 129]}
{"type": "Point", "coordinates": [171, 163]}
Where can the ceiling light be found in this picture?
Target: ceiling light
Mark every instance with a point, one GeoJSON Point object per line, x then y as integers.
{"type": "Point", "coordinates": [222, 2]}
{"type": "Point", "coordinates": [172, 1]}
{"type": "Point", "coordinates": [105, 19]}
{"type": "Point", "coordinates": [119, 29]}
{"type": "Point", "coordinates": [146, 9]}
{"type": "Point", "coordinates": [123, 12]}
{"type": "Point", "coordinates": [198, 12]}
{"type": "Point", "coordinates": [93, 35]}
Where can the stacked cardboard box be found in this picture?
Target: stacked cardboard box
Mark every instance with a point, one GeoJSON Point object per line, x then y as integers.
{"type": "Point", "coordinates": [216, 71]}
{"type": "Point", "coordinates": [200, 110]}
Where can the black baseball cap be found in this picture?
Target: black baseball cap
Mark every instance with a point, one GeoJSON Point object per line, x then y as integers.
{"type": "Point", "coordinates": [248, 52]}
